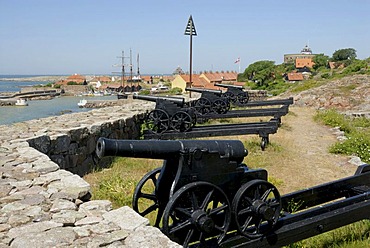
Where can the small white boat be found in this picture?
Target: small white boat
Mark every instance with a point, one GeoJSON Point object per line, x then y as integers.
{"type": "Point", "coordinates": [21, 102]}
{"type": "Point", "coordinates": [82, 103]}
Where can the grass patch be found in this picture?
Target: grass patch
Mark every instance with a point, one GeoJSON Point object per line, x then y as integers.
{"type": "Point", "coordinates": [117, 183]}
{"type": "Point", "coordinates": [357, 131]}
{"type": "Point", "coordinates": [354, 235]}
{"type": "Point", "coordinates": [347, 88]}
{"type": "Point", "coordinates": [306, 85]}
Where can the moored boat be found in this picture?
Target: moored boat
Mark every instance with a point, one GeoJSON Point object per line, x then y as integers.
{"type": "Point", "coordinates": [82, 103]}
{"type": "Point", "coordinates": [21, 102]}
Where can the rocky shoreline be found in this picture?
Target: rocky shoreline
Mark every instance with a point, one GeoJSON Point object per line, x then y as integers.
{"type": "Point", "coordinates": [35, 78]}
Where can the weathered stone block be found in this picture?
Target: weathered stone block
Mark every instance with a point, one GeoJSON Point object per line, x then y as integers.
{"type": "Point", "coordinates": [61, 144]}
{"type": "Point", "coordinates": [41, 143]}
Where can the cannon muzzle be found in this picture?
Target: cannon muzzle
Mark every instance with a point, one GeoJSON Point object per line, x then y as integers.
{"type": "Point", "coordinates": [229, 86]}
{"type": "Point", "coordinates": [201, 90]}
{"type": "Point", "coordinates": [177, 100]}
{"type": "Point", "coordinates": [167, 149]}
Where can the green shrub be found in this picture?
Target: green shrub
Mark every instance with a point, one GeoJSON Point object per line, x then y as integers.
{"type": "Point", "coordinates": [175, 91]}
{"type": "Point", "coordinates": [325, 75]}
{"type": "Point", "coordinates": [144, 92]}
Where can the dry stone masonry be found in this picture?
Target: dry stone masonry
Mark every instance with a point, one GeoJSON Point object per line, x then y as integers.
{"type": "Point", "coordinates": [43, 200]}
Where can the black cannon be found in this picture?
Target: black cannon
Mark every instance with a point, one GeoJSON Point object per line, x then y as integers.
{"type": "Point", "coordinates": [169, 113]}
{"type": "Point", "coordinates": [210, 101]}
{"type": "Point", "coordinates": [234, 93]}
{"type": "Point", "coordinates": [203, 189]}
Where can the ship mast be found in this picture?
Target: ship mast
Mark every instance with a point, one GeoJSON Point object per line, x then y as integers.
{"type": "Point", "coordinates": [131, 67]}
{"type": "Point", "coordinates": [138, 67]}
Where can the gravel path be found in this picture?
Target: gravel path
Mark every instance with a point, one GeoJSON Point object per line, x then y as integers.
{"type": "Point", "coordinates": [305, 160]}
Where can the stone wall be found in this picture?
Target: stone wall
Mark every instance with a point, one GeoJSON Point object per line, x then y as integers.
{"type": "Point", "coordinates": [75, 89]}
{"type": "Point", "coordinates": [44, 203]}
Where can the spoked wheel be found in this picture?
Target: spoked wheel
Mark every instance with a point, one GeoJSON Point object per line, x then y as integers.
{"type": "Point", "coordinates": [181, 121]}
{"type": "Point", "coordinates": [221, 106]}
{"type": "Point", "coordinates": [158, 121]}
{"type": "Point", "coordinates": [229, 96]}
{"type": "Point", "coordinates": [243, 98]}
{"type": "Point", "coordinates": [197, 211]}
{"type": "Point", "coordinates": [256, 208]}
{"type": "Point", "coordinates": [193, 117]}
{"type": "Point", "coordinates": [203, 106]}
{"type": "Point", "coordinates": [145, 201]}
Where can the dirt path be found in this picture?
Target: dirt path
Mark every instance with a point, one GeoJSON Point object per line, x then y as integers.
{"type": "Point", "coordinates": [305, 160]}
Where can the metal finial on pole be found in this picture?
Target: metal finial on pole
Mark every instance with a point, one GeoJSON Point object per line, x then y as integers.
{"type": "Point", "coordinates": [190, 30]}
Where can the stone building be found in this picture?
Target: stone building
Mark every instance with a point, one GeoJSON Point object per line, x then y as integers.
{"type": "Point", "coordinates": [306, 53]}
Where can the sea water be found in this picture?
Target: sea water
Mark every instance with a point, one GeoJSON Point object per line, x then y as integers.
{"type": "Point", "coordinates": [39, 108]}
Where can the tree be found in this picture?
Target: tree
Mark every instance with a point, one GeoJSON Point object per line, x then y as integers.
{"type": "Point", "coordinates": [260, 72]}
{"type": "Point", "coordinates": [320, 60]}
{"type": "Point", "coordinates": [344, 54]}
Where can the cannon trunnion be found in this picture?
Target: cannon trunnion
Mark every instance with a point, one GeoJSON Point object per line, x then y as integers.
{"type": "Point", "coordinates": [202, 191]}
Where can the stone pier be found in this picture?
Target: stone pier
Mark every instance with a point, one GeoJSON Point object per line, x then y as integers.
{"type": "Point", "coordinates": [44, 202]}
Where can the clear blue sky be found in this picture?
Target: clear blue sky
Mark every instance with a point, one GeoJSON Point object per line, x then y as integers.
{"type": "Point", "coordinates": [87, 36]}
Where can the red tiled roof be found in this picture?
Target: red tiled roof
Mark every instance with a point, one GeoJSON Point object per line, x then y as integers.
{"type": "Point", "coordinates": [294, 76]}
{"type": "Point", "coordinates": [239, 83]}
{"type": "Point", "coordinates": [101, 79]}
{"type": "Point", "coordinates": [221, 76]}
{"type": "Point", "coordinates": [335, 65]}
{"type": "Point", "coordinates": [76, 77]}
{"type": "Point", "coordinates": [302, 62]}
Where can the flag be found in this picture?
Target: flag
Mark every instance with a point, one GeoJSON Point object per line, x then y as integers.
{"type": "Point", "coordinates": [237, 61]}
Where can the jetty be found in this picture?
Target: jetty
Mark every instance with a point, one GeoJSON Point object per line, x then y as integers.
{"type": "Point", "coordinates": [32, 94]}
{"type": "Point", "coordinates": [10, 100]}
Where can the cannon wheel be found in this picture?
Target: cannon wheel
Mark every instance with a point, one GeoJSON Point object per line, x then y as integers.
{"type": "Point", "coordinates": [243, 98]}
{"type": "Point", "coordinates": [229, 96]}
{"type": "Point", "coordinates": [144, 200]}
{"type": "Point", "coordinates": [181, 121]}
{"type": "Point", "coordinates": [158, 121]}
{"type": "Point", "coordinates": [203, 106]}
{"type": "Point", "coordinates": [193, 117]}
{"type": "Point", "coordinates": [256, 207]}
{"type": "Point", "coordinates": [221, 106]}
{"type": "Point", "coordinates": [197, 211]}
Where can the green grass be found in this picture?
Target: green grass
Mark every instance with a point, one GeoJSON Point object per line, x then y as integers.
{"type": "Point", "coordinates": [355, 235]}
{"type": "Point", "coordinates": [117, 183]}
{"type": "Point", "coordinates": [357, 131]}
{"type": "Point", "coordinates": [306, 85]}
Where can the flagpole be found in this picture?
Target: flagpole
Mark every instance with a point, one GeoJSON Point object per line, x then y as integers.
{"type": "Point", "coordinates": [239, 64]}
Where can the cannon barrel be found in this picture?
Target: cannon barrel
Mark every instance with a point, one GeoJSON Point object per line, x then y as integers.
{"type": "Point", "coordinates": [229, 86]}
{"type": "Point", "coordinates": [178, 100]}
{"type": "Point", "coordinates": [201, 90]}
{"type": "Point", "coordinates": [167, 149]}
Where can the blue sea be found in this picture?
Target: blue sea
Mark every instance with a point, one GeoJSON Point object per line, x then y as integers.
{"type": "Point", "coordinates": [38, 108]}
